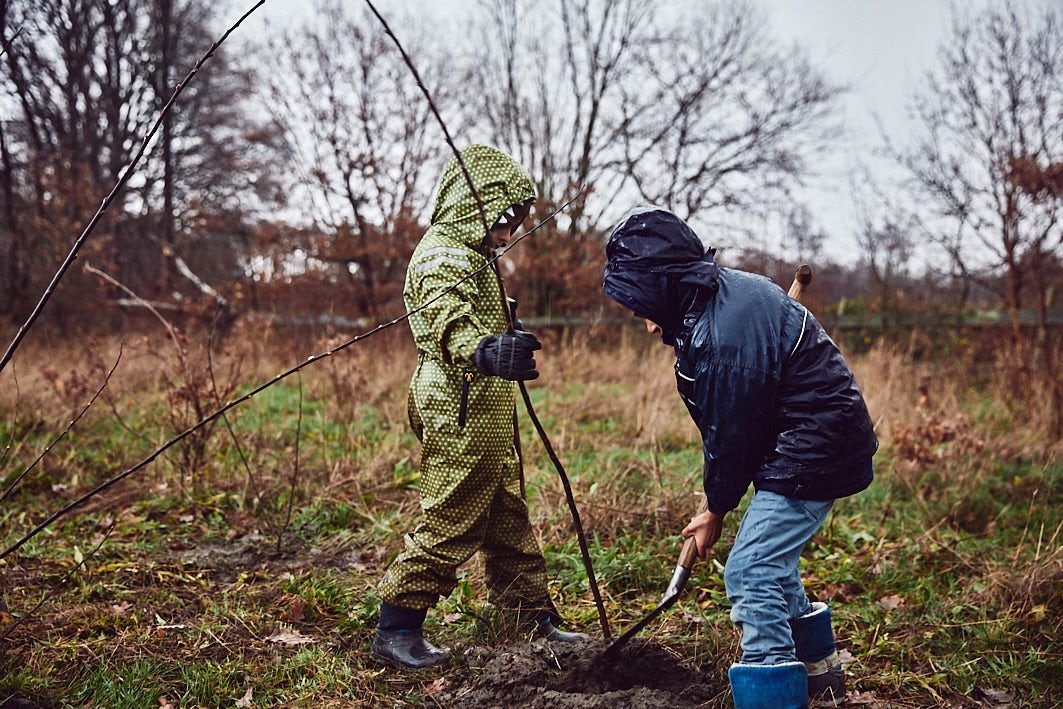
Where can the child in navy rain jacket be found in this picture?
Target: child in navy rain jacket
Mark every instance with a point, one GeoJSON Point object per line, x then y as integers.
{"type": "Point", "coordinates": [778, 407]}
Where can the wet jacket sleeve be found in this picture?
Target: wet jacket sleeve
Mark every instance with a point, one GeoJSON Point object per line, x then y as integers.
{"type": "Point", "coordinates": [449, 300]}
{"type": "Point", "coordinates": [735, 404]}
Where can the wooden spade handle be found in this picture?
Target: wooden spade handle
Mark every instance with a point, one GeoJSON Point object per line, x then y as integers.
{"type": "Point", "coordinates": [689, 555]}
{"type": "Point", "coordinates": [802, 277]}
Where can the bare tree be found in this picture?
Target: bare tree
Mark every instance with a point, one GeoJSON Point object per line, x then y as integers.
{"type": "Point", "coordinates": [887, 250]}
{"type": "Point", "coordinates": [802, 237]}
{"type": "Point", "coordinates": [82, 87]}
{"type": "Point", "coordinates": [693, 111]}
{"type": "Point", "coordinates": [80, 97]}
{"type": "Point", "coordinates": [550, 84]}
{"type": "Point", "coordinates": [360, 139]}
{"type": "Point", "coordinates": [1041, 184]}
{"type": "Point", "coordinates": [994, 99]}
{"type": "Point", "coordinates": [696, 110]}
{"type": "Point", "coordinates": [886, 236]}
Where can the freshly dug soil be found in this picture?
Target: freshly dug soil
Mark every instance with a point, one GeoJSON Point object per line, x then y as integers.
{"type": "Point", "coordinates": [13, 699]}
{"type": "Point", "coordinates": [544, 675]}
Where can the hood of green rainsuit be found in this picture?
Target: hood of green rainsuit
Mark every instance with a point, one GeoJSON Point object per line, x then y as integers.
{"type": "Point", "coordinates": [500, 182]}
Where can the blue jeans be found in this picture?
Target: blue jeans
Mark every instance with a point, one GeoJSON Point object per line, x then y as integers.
{"type": "Point", "coordinates": [761, 575]}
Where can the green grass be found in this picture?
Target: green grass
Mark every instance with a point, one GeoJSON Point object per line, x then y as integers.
{"type": "Point", "coordinates": [933, 574]}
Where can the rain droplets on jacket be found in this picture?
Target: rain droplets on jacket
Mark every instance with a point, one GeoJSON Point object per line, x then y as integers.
{"type": "Point", "coordinates": [774, 400]}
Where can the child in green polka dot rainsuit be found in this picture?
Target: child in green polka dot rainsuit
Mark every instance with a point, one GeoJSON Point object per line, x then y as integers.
{"type": "Point", "coordinates": [461, 406]}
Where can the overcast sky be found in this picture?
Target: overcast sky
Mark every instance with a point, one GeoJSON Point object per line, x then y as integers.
{"type": "Point", "coordinates": [880, 49]}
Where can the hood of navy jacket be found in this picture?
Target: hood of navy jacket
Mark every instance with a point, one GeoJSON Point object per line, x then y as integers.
{"type": "Point", "coordinates": [656, 266]}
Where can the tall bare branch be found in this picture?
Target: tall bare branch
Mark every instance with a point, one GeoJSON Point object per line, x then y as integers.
{"type": "Point", "coordinates": [207, 420]}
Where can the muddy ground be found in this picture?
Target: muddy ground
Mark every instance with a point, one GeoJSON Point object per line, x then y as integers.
{"type": "Point", "coordinates": [538, 674]}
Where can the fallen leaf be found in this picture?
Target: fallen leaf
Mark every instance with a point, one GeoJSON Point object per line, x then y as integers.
{"type": "Point", "coordinates": [451, 618]}
{"type": "Point", "coordinates": [296, 610]}
{"type": "Point", "coordinates": [121, 609]}
{"type": "Point", "coordinates": [164, 702]}
{"type": "Point", "coordinates": [838, 591]}
{"type": "Point", "coordinates": [998, 697]}
{"type": "Point", "coordinates": [78, 556]}
{"type": "Point", "coordinates": [290, 637]}
{"type": "Point", "coordinates": [846, 657]}
{"type": "Point", "coordinates": [245, 701]}
{"type": "Point", "coordinates": [186, 518]}
{"type": "Point", "coordinates": [891, 602]}
{"type": "Point", "coordinates": [862, 698]}
{"type": "Point", "coordinates": [435, 686]}
{"type": "Point", "coordinates": [131, 519]}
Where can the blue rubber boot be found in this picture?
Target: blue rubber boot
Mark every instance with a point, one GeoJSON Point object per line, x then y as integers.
{"type": "Point", "coordinates": [782, 686]}
{"type": "Point", "coordinates": [814, 643]}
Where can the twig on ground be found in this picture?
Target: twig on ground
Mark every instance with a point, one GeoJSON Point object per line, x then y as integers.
{"type": "Point", "coordinates": [295, 470]}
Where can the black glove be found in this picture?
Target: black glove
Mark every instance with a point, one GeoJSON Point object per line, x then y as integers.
{"type": "Point", "coordinates": [508, 356]}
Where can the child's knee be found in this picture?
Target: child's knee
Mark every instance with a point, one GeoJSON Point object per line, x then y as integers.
{"type": "Point", "coordinates": [735, 577]}
{"type": "Point", "coordinates": [749, 580]}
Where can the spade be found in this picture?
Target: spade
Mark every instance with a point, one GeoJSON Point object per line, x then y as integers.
{"type": "Point", "coordinates": [802, 277]}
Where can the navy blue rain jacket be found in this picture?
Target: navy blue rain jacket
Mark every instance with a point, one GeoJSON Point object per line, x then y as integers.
{"type": "Point", "coordinates": [774, 400]}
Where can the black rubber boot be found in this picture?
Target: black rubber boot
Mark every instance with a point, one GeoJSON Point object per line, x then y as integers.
{"type": "Point", "coordinates": [553, 634]}
{"type": "Point", "coordinates": [399, 641]}
{"type": "Point", "coordinates": [407, 649]}
{"type": "Point", "coordinates": [542, 618]}
{"type": "Point", "coordinates": [814, 643]}
{"type": "Point", "coordinates": [826, 682]}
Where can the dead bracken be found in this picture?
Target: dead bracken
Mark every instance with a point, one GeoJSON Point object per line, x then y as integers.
{"type": "Point", "coordinates": [538, 674]}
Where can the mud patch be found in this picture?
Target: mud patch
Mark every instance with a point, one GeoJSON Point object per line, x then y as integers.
{"type": "Point", "coordinates": [14, 699]}
{"type": "Point", "coordinates": [255, 551]}
{"type": "Point", "coordinates": [566, 675]}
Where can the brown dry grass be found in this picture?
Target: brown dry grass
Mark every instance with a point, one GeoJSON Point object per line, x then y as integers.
{"type": "Point", "coordinates": [948, 429]}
